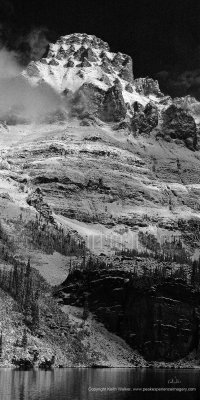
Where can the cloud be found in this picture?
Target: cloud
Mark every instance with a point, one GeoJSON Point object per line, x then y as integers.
{"type": "Point", "coordinates": [28, 44]}
{"type": "Point", "coordinates": [33, 45]}
{"type": "Point", "coordinates": [19, 99]}
{"type": "Point", "coordinates": [9, 66]}
{"type": "Point", "coordinates": [180, 84]}
{"type": "Point", "coordinates": [38, 42]}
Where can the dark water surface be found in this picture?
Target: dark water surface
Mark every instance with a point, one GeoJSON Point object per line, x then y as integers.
{"type": "Point", "coordinates": [99, 384]}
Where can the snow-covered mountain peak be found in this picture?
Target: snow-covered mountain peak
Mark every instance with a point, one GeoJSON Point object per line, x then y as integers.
{"type": "Point", "coordinates": [77, 40]}
{"type": "Point", "coordinates": [80, 58]}
{"type": "Point", "coordinates": [98, 83]}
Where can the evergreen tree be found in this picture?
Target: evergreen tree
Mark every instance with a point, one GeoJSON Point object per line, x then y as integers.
{"type": "Point", "coordinates": [28, 297]}
{"type": "Point", "coordinates": [28, 289]}
{"type": "Point", "coordinates": [1, 345]}
{"type": "Point", "coordinates": [15, 288]}
{"type": "Point", "coordinates": [24, 339]}
{"type": "Point", "coordinates": [28, 269]}
{"type": "Point", "coordinates": [85, 314]}
{"type": "Point", "coordinates": [35, 315]}
{"type": "Point", "coordinates": [194, 272]}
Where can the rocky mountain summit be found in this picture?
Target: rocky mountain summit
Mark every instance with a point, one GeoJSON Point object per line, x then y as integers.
{"type": "Point", "coordinates": [97, 83]}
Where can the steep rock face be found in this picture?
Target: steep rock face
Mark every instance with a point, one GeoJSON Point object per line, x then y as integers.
{"type": "Point", "coordinates": [161, 321]}
{"type": "Point", "coordinates": [178, 123]}
{"type": "Point", "coordinates": [126, 71]}
{"type": "Point", "coordinates": [109, 106]}
{"type": "Point", "coordinates": [87, 99]}
{"type": "Point", "coordinates": [114, 108]}
{"type": "Point", "coordinates": [123, 64]}
{"type": "Point", "coordinates": [144, 120]}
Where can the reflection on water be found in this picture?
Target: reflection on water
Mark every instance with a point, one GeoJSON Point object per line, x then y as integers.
{"type": "Point", "coordinates": [99, 384]}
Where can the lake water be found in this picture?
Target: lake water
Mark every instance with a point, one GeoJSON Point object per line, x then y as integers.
{"type": "Point", "coordinates": [99, 384]}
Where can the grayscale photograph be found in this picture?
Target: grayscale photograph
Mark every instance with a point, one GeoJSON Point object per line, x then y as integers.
{"type": "Point", "coordinates": [99, 199]}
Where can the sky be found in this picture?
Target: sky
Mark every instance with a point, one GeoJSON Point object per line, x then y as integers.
{"type": "Point", "coordinates": [161, 36]}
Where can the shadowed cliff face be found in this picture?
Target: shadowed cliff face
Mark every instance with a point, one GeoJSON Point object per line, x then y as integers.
{"type": "Point", "coordinates": [161, 319]}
